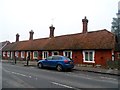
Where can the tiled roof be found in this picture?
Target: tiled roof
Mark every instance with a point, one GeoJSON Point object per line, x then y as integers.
{"type": "Point", "coordinates": [101, 39]}
{"type": "Point", "coordinates": [3, 44]}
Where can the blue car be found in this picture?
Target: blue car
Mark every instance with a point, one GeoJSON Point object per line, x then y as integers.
{"type": "Point", "coordinates": [57, 61]}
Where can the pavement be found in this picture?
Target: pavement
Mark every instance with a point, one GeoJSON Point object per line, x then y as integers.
{"type": "Point", "coordinates": [77, 67]}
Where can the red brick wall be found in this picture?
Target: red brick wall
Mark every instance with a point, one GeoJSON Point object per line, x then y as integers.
{"type": "Point", "coordinates": [77, 57]}
{"type": "Point", "coordinates": [49, 53]}
{"type": "Point", "coordinates": [61, 53]}
{"type": "Point", "coordinates": [31, 53]}
{"type": "Point", "coordinates": [19, 55]}
{"type": "Point", "coordinates": [39, 55]}
{"type": "Point", "coordinates": [101, 57]}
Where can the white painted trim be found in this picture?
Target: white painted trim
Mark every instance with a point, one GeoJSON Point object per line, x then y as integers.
{"type": "Point", "coordinates": [67, 56]}
{"type": "Point", "coordinates": [8, 54]}
{"type": "Point", "coordinates": [43, 54]}
{"type": "Point", "coordinates": [34, 55]}
{"type": "Point", "coordinates": [22, 54]}
{"type": "Point", "coordinates": [4, 54]}
{"type": "Point", "coordinates": [54, 52]}
{"type": "Point", "coordinates": [93, 51]}
{"type": "Point", "coordinates": [27, 54]}
{"type": "Point", "coordinates": [113, 58]}
{"type": "Point", "coordinates": [12, 54]}
{"type": "Point", "coordinates": [16, 53]}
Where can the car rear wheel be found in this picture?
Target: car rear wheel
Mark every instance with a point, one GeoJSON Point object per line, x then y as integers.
{"type": "Point", "coordinates": [40, 65]}
{"type": "Point", "coordinates": [59, 68]}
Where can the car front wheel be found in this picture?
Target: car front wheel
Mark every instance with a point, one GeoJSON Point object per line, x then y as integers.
{"type": "Point", "coordinates": [59, 68]}
{"type": "Point", "coordinates": [40, 65]}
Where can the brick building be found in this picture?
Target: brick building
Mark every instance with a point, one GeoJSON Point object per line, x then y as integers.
{"type": "Point", "coordinates": [93, 48]}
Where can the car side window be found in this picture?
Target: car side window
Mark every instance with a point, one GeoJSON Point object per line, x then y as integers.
{"type": "Point", "coordinates": [56, 58]}
{"type": "Point", "coordinates": [49, 58]}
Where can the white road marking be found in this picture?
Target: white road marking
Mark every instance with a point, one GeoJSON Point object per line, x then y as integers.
{"type": "Point", "coordinates": [108, 78]}
{"type": "Point", "coordinates": [30, 76]}
{"type": "Point", "coordinates": [63, 85]}
{"type": "Point", "coordinates": [6, 70]}
{"type": "Point", "coordinates": [18, 74]}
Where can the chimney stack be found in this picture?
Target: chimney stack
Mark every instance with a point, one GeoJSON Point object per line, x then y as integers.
{"type": "Point", "coordinates": [17, 37]}
{"type": "Point", "coordinates": [51, 31]}
{"type": "Point", "coordinates": [31, 35]}
{"type": "Point", "coordinates": [85, 23]}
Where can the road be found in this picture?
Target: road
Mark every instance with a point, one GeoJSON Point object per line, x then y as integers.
{"type": "Point", "coordinates": [15, 76]}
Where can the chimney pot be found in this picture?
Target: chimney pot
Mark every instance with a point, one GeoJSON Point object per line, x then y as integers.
{"type": "Point", "coordinates": [17, 37]}
{"type": "Point", "coordinates": [51, 31]}
{"type": "Point", "coordinates": [85, 23]}
{"type": "Point", "coordinates": [31, 35]}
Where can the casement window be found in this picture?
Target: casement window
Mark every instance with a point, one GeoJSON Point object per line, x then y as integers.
{"type": "Point", "coordinates": [55, 53]}
{"type": "Point", "coordinates": [45, 54]}
{"type": "Point", "coordinates": [12, 54]}
{"type": "Point", "coordinates": [16, 54]}
{"type": "Point", "coordinates": [35, 54]}
{"type": "Point", "coordinates": [68, 54]}
{"type": "Point", "coordinates": [8, 54]}
{"type": "Point", "coordinates": [88, 56]}
{"type": "Point", "coordinates": [28, 53]}
{"type": "Point", "coordinates": [4, 54]}
{"type": "Point", "coordinates": [22, 54]}
{"type": "Point", "coordinates": [113, 56]}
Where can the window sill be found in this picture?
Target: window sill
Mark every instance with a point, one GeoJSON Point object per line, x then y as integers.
{"type": "Point", "coordinates": [89, 61]}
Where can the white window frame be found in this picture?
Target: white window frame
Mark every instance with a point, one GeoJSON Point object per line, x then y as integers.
{"type": "Point", "coordinates": [12, 54]}
{"type": "Point", "coordinates": [27, 54]}
{"type": "Point", "coordinates": [55, 52]}
{"type": "Point", "coordinates": [93, 55]}
{"type": "Point", "coordinates": [22, 54]}
{"type": "Point", "coordinates": [113, 58]}
{"type": "Point", "coordinates": [8, 54]}
{"type": "Point", "coordinates": [34, 55]}
{"type": "Point", "coordinates": [4, 54]}
{"type": "Point", "coordinates": [45, 54]}
{"type": "Point", "coordinates": [67, 53]}
{"type": "Point", "coordinates": [16, 54]}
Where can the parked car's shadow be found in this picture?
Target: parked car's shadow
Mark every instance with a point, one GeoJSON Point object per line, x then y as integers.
{"type": "Point", "coordinates": [54, 69]}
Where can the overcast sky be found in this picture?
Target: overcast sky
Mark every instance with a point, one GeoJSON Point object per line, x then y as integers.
{"type": "Point", "coordinates": [21, 16]}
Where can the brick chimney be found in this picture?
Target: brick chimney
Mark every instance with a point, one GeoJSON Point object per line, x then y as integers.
{"type": "Point", "coordinates": [51, 31]}
{"type": "Point", "coordinates": [31, 35]}
{"type": "Point", "coordinates": [17, 37]}
{"type": "Point", "coordinates": [85, 23]}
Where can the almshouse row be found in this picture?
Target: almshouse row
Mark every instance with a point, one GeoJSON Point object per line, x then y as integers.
{"type": "Point", "coordinates": [84, 56]}
{"type": "Point", "coordinates": [93, 48]}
